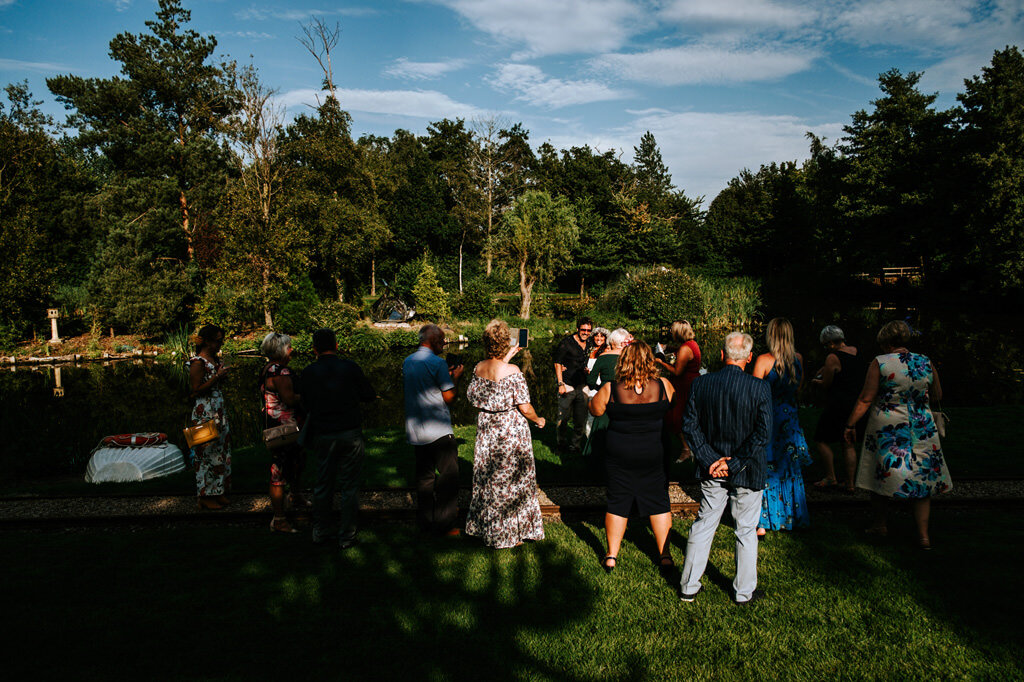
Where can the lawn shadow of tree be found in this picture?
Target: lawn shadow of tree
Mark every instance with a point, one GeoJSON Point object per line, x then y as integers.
{"type": "Point", "coordinates": [398, 605]}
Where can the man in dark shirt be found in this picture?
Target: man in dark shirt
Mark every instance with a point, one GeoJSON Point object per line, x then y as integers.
{"type": "Point", "coordinates": [571, 374]}
{"type": "Point", "coordinates": [728, 423]}
{"type": "Point", "coordinates": [332, 388]}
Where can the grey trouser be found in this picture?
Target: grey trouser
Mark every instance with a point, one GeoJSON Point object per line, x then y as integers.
{"type": "Point", "coordinates": [746, 510]}
{"type": "Point", "coordinates": [339, 460]}
{"type": "Point", "coordinates": [572, 405]}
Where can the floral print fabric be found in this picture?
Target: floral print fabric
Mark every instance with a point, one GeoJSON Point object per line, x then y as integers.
{"type": "Point", "coordinates": [503, 510]}
{"type": "Point", "coordinates": [274, 407]}
{"type": "Point", "coordinates": [902, 456]}
{"type": "Point", "coordinates": [211, 461]}
{"type": "Point", "coordinates": [784, 501]}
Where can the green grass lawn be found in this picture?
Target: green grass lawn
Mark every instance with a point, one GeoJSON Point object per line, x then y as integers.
{"type": "Point", "coordinates": [982, 442]}
{"type": "Point", "coordinates": [238, 603]}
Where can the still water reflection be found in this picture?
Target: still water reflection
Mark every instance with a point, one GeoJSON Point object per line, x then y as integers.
{"type": "Point", "coordinates": [47, 431]}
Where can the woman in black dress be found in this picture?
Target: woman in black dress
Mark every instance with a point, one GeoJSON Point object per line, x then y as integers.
{"type": "Point", "coordinates": [842, 378]}
{"type": "Point", "coordinates": [636, 404]}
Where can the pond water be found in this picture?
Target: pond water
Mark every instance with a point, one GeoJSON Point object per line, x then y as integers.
{"type": "Point", "coordinates": [980, 359]}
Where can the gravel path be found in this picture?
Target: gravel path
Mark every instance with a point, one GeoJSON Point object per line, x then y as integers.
{"type": "Point", "coordinates": [403, 500]}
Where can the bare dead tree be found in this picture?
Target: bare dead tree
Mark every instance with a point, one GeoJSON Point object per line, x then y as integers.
{"type": "Point", "coordinates": [261, 174]}
{"type": "Point", "coordinates": [320, 40]}
{"type": "Point", "coordinates": [485, 167]}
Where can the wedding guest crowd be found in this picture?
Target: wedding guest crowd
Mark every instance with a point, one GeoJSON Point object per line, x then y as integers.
{"type": "Point", "coordinates": [741, 427]}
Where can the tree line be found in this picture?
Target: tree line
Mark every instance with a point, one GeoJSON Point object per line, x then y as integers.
{"type": "Point", "coordinates": [177, 190]}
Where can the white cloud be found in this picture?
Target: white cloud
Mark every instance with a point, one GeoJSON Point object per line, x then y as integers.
{"type": "Point", "coordinates": [531, 85]}
{"type": "Point", "coordinates": [428, 104]}
{"type": "Point", "coordinates": [547, 27]}
{"type": "Point", "coordinates": [21, 65]}
{"type": "Point", "coordinates": [905, 22]}
{"type": "Point", "coordinates": [746, 13]}
{"type": "Point", "coordinates": [704, 150]}
{"type": "Point", "coordinates": [263, 13]}
{"type": "Point", "coordinates": [248, 35]}
{"type": "Point", "coordinates": [403, 68]}
{"type": "Point", "coordinates": [706, 64]}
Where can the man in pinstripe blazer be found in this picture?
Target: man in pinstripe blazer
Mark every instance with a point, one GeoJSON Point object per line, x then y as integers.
{"type": "Point", "coordinates": [728, 423]}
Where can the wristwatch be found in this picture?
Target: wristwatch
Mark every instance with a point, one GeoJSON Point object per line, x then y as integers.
{"type": "Point", "coordinates": [561, 383]}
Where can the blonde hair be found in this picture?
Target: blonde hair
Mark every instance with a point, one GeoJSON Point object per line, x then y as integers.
{"type": "Point", "coordinates": [779, 336]}
{"type": "Point", "coordinates": [497, 339]}
{"type": "Point", "coordinates": [895, 334]}
{"type": "Point", "coordinates": [636, 365]}
{"type": "Point", "coordinates": [275, 346]}
{"type": "Point", "coordinates": [681, 331]}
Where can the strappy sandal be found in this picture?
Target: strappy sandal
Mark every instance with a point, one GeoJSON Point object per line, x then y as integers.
{"type": "Point", "coordinates": [826, 483]}
{"type": "Point", "coordinates": [604, 563]}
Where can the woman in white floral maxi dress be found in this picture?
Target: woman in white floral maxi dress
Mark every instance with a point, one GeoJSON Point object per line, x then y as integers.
{"type": "Point", "coordinates": [503, 510]}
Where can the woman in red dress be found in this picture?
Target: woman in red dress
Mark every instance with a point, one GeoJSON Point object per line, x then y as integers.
{"type": "Point", "coordinates": [685, 369]}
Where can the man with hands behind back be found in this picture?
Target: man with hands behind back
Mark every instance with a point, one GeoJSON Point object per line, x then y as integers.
{"type": "Point", "coordinates": [728, 423]}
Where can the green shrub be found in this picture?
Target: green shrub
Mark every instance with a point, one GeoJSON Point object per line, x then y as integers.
{"type": "Point", "coordinates": [571, 308]}
{"type": "Point", "coordinates": [362, 339]}
{"type": "Point", "coordinates": [431, 300]}
{"type": "Point", "coordinates": [661, 295]}
{"type": "Point", "coordinates": [476, 300]}
{"type": "Point", "coordinates": [292, 315]}
{"type": "Point", "coordinates": [334, 315]}
{"type": "Point", "coordinates": [405, 279]}
{"type": "Point", "coordinates": [229, 308]}
{"type": "Point", "coordinates": [658, 296]}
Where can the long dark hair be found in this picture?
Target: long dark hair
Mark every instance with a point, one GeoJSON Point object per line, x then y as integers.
{"type": "Point", "coordinates": [206, 336]}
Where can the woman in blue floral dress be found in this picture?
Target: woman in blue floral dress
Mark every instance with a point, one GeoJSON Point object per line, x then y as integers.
{"type": "Point", "coordinates": [784, 501]}
{"type": "Point", "coordinates": [902, 456]}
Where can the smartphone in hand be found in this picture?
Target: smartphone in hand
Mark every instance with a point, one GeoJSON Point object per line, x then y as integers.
{"type": "Point", "coordinates": [520, 337]}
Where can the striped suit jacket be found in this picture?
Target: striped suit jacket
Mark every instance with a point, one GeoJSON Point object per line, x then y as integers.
{"type": "Point", "coordinates": [729, 414]}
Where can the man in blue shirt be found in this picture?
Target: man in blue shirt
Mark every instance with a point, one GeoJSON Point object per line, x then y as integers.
{"type": "Point", "coordinates": [728, 422]}
{"type": "Point", "coordinates": [429, 389]}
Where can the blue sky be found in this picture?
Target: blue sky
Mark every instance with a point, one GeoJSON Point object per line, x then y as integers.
{"type": "Point", "coordinates": [722, 84]}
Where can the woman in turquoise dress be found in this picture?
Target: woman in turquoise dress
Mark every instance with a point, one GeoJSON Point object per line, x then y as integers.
{"type": "Point", "coordinates": [902, 457]}
{"type": "Point", "coordinates": [784, 501]}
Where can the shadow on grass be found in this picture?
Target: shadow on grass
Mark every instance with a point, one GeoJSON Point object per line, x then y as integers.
{"type": "Point", "coordinates": [396, 605]}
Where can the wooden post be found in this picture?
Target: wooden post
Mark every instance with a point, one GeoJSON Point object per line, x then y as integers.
{"type": "Point", "coordinates": [53, 314]}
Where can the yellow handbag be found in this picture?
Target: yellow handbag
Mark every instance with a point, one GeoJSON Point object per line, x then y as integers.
{"type": "Point", "coordinates": [201, 433]}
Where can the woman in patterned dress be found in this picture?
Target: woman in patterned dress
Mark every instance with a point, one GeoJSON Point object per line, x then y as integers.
{"type": "Point", "coordinates": [902, 457]}
{"type": "Point", "coordinates": [784, 502]}
{"type": "Point", "coordinates": [212, 460]}
{"type": "Point", "coordinates": [281, 406]}
{"type": "Point", "coordinates": [503, 510]}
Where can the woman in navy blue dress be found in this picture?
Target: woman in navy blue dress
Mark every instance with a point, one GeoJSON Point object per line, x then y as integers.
{"type": "Point", "coordinates": [784, 502]}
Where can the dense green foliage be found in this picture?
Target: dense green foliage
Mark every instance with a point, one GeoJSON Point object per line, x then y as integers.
{"type": "Point", "coordinates": [184, 196]}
